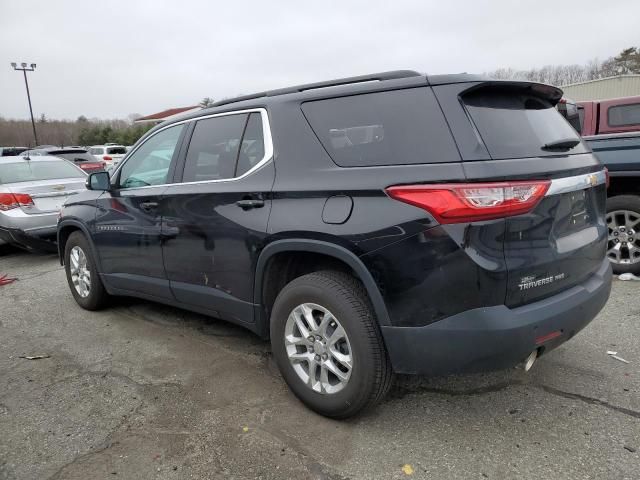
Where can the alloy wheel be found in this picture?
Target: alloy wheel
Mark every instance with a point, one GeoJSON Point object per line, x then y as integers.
{"type": "Point", "coordinates": [318, 348]}
{"type": "Point", "coordinates": [624, 237]}
{"type": "Point", "coordinates": [80, 274]}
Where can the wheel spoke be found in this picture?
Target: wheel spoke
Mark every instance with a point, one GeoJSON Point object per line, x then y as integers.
{"type": "Point", "coordinates": [329, 365]}
{"type": "Point", "coordinates": [344, 359]}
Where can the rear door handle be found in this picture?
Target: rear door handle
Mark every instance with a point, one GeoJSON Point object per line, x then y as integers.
{"type": "Point", "coordinates": [148, 206]}
{"type": "Point", "coordinates": [249, 203]}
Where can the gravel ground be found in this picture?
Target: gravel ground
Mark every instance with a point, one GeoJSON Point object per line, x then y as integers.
{"type": "Point", "coordinates": [143, 391]}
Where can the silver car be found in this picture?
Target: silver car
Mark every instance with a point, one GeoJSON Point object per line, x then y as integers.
{"type": "Point", "coordinates": [32, 190]}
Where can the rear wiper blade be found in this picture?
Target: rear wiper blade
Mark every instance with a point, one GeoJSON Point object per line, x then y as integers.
{"type": "Point", "coordinates": [562, 144]}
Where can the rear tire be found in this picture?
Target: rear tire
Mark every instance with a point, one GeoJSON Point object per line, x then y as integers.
{"type": "Point", "coordinates": [82, 276]}
{"type": "Point", "coordinates": [344, 302]}
{"type": "Point", "coordinates": [622, 212]}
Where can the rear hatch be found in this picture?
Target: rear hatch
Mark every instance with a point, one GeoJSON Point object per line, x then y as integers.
{"type": "Point", "coordinates": [520, 136]}
{"type": "Point", "coordinates": [43, 185]}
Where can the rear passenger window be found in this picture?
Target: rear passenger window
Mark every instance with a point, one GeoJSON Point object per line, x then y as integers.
{"type": "Point", "coordinates": [623, 115]}
{"type": "Point", "coordinates": [396, 127]}
{"type": "Point", "coordinates": [213, 150]}
{"type": "Point", "coordinates": [252, 148]}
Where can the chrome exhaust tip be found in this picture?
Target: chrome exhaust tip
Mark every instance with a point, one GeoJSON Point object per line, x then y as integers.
{"type": "Point", "coordinates": [531, 359]}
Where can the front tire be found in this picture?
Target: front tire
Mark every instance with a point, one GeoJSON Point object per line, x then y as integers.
{"type": "Point", "coordinates": [623, 222]}
{"type": "Point", "coordinates": [326, 342]}
{"type": "Point", "coordinates": [83, 278]}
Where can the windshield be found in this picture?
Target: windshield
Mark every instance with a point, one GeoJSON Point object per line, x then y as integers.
{"type": "Point", "coordinates": [27, 171]}
{"type": "Point", "coordinates": [515, 124]}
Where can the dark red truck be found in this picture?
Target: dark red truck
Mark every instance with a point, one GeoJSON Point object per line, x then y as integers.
{"type": "Point", "coordinates": [612, 129]}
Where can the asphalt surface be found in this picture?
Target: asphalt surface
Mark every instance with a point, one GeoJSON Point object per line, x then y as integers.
{"type": "Point", "coordinates": [143, 391]}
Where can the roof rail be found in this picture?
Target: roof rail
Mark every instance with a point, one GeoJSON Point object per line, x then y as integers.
{"type": "Point", "coordinates": [372, 77]}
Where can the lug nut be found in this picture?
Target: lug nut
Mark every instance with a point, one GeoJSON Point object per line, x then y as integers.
{"type": "Point", "coordinates": [325, 356]}
{"type": "Point", "coordinates": [310, 349]}
{"type": "Point", "coordinates": [311, 338]}
{"type": "Point", "coordinates": [319, 338]}
{"type": "Point", "coordinates": [317, 358]}
{"type": "Point", "coordinates": [615, 234]}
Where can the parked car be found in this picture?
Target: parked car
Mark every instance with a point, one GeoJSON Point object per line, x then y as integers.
{"type": "Point", "coordinates": [78, 155]}
{"type": "Point", "coordinates": [408, 223]}
{"type": "Point", "coordinates": [612, 129]}
{"type": "Point", "coordinates": [110, 153]}
{"type": "Point", "coordinates": [11, 151]}
{"type": "Point", "coordinates": [32, 190]}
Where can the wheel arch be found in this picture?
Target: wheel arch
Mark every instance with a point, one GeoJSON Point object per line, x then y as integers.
{"type": "Point", "coordinates": [310, 246]}
{"type": "Point", "coordinates": [65, 229]}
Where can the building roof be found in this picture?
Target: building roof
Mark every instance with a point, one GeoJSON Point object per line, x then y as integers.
{"type": "Point", "coordinates": [604, 79]}
{"type": "Point", "coordinates": [606, 88]}
{"type": "Point", "coordinates": [165, 114]}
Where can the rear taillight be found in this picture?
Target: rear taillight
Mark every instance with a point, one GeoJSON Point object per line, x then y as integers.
{"type": "Point", "coordinates": [107, 158]}
{"type": "Point", "coordinates": [90, 166]}
{"type": "Point", "coordinates": [472, 202]}
{"type": "Point", "coordinates": [9, 201]}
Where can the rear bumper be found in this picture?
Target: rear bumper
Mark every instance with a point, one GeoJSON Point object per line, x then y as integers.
{"type": "Point", "coordinates": [37, 239]}
{"type": "Point", "coordinates": [496, 337]}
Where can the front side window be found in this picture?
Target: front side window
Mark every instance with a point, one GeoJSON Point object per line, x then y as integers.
{"type": "Point", "coordinates": [214, 147]}
{"type": "Point", "coordinates": [149, 164]}
{"type": "Point", "coordinates": [624, 115]}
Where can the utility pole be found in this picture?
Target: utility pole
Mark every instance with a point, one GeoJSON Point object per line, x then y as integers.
{"type": "Point", "coordinates": [24, 69]}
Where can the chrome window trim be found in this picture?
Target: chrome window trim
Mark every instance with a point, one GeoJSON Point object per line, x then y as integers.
{"type": "Point", "coordinates": [268, 148]}
{"type": "Point", "coordinates": [575, 183]}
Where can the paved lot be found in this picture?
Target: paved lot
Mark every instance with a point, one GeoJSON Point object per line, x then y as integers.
{"type": "Point", "coordinates": [144, 391]}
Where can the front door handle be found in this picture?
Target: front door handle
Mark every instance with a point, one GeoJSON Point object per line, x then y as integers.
{"type": "Point", "coordinates": [249, 203]}
{"type": "Point", "coordinates": [148, 206]}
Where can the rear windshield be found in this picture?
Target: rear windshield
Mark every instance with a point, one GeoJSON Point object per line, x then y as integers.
{"type": "Point", "coordinates": [78, 156]}
{"type": "Point", "coordinates": [515, 124]}
{"type": "Point", "coordinates": [27, 171]}
{"type": "Point", "coordinates": [395, 127]}
{"type": "Point", "coordinates": [116, 150]}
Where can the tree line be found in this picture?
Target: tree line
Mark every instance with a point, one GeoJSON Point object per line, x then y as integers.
{"type": "Point", "coordinates": [626, 62]}
{"type": "Point", "coordinates": [65, 132]}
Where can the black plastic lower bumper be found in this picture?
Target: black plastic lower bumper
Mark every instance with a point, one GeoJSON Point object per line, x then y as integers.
{"type": "Point", "coordinates": [497, 337]}
{"type": "Point", "coordinates": [44, 241]}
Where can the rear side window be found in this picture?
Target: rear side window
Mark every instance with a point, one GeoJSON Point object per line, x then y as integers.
{"type": "Point", "coordinates": [515, 124]}
{"type": "Point", "coordinates": [31, 171]}
{"type": "Point", "coordinates": [96, 151]}
{"type": "Point", "coordinates": [213, 150]}
{"type": "Point", "coordinates": [252, 147]}
{"type": "Point", "coordinates": [398, 127]}
{"type": "Point", "coordinates": [624, 115]}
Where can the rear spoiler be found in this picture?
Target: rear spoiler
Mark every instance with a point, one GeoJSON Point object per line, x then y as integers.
{"type": "Point", "coordinates": [548, 92]}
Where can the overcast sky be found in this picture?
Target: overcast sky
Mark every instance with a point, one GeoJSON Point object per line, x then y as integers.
{"type": "Point", "coordinates": [108, 59]}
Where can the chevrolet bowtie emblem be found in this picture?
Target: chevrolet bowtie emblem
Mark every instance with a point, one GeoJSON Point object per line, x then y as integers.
{"type": "Point", "coordinates": [592, 180]}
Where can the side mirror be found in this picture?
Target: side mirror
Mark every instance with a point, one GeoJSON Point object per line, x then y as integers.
{"type": "Point", "coordinates": [99, 181]}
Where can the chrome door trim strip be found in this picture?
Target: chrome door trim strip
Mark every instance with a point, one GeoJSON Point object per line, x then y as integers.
{"type": "Point", "coordinates": [575, 183]}
{"type": "Point", "coordinates": [268, 148]}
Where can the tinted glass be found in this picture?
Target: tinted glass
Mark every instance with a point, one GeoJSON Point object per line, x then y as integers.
{"type": "Point", "coordinates": [96, 151]}
{"type": "Point", "coordinates": [622, 115]}
{"type": "Point", "coordinates": [149, 164]}
{"type": "Point", "coordinates": [78, 156]}
{"type": "Point", "coordinates": [516, 124]}
{"type": "Point", "coordinates": [252, 148]}
{"type": "Point", "coordinates": [213, 150]}
{"type": "Point", "coordinates": [386, 128]}
{"type": "Point", "coordinates": [27, 171]}
{"type": "Point", "coordinates": [116, 151]}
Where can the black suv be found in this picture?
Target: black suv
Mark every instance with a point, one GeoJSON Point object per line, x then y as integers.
{"type": "Point", "coordinates": [393, 222]}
